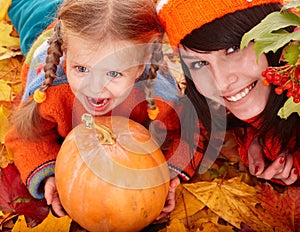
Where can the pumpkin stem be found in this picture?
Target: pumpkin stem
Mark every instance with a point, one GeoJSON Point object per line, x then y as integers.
{"type": "Point", "coordinates": [105, 135]}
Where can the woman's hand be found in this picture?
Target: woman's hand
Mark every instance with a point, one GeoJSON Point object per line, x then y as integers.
{"type": "Point", "coordinates": [52, 198]}
{"type": "Point", "coordinates": [281, 168]}
{"type": "Point", "coordinates": [170, 201]}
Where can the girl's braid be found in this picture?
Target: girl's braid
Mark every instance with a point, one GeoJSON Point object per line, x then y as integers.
{"type": "Point", "coordinates": [54, 53]}
{"type": "Point", "coordinates": [27, 119]}
{"type": "Point", "coordinates": [156, 61]}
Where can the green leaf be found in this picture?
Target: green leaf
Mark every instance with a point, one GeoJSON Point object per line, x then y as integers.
{"type": "Point", "coordinates": [288, 108]}
{"type": "Point", "coordinates": [272, 23]}
{"type": "Point", "coordinates": [273, 41]}
{"type": "Point", "coordinates": [291, 53]}
{"type": "Point", "coordinates": [291, 4]}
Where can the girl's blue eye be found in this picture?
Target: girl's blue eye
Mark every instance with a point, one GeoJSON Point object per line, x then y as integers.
{"type": "Point", "coordinates": [113, 74]}
{"type": "Point", "coordinates": [198, 64]}
{"type": "Point", "coordinates": [82, 69]}
{"type": "Point", "coordinates": [231, 50]}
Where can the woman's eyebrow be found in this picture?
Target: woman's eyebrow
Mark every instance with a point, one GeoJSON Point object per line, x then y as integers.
{"type": "Point", "coordinates": [187, 56]}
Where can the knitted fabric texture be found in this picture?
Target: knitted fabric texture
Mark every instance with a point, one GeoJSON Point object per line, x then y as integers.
{"type": "Point", "coordinates": [181, 17]}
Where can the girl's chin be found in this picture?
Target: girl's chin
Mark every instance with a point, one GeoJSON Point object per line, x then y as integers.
{"type": "Point", "coordinates": [95, 112]}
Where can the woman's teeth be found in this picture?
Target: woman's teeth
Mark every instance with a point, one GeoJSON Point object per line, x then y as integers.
{"type": "Point", "coordinates": [97, 102]}
{"type": "Point", "coordinates": [241, 94]}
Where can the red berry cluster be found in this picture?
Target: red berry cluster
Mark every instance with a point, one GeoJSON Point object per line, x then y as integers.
{"type": "Point", "coordinates": [286, 77]}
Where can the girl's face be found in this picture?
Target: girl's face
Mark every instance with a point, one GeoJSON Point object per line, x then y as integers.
{"type": "Point", "coordinates": [231, 77]}
{"type": "Point", "coordinates": [101, 77]}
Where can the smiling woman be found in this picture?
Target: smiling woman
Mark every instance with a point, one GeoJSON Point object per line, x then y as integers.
{"type": "Point", "coordinates": [218, 71]}
{"type": "Point", "coordinates": [222, 76]}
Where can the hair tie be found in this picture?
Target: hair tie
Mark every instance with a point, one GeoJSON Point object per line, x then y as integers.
{"type": "Point", "coordinates": [152, 113]}
{"type": "Point", "coordinates": [39, 96]}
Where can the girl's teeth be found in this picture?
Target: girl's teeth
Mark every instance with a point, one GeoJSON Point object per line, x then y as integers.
{"type": "Point", "coordinates": [95, 102]}
{"type": "Point", "coordinates": [241, 94]}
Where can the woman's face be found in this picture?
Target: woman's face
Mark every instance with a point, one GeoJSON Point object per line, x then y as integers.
{"type": "Point", "coordinates": [231, 77]}
{"type": "Point", "coordinates": [101, 76]}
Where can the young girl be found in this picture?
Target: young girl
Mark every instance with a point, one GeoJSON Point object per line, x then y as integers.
{"type": "Point", "coordinates": [208, 35]}
{"type": "Point", "coordinates": [92, 59]}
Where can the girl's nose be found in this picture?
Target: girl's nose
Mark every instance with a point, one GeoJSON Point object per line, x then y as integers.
{"type": "Point", "coordinates": [97, 83]}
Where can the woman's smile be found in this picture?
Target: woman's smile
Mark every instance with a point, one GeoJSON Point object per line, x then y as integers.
{"type": "Point", "coordinates": [241, 94]}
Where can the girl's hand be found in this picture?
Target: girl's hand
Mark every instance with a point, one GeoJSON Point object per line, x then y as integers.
{"type": "Point", "coordinates": [281, 168]}
{"type": "Point", "coordinates": [52, 198]}
{"type": "Point", "coordinates": [170, 202]}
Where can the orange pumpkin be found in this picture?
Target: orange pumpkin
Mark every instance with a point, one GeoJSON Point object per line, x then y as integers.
{"type": "Point", "coordinates": [112, 176]}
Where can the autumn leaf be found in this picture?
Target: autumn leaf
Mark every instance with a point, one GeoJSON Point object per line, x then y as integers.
{"type": "Point", "coordinates": [16, 199]}
{"type": "Point", "coordinates": [176, 225]}
{"type": "Point", "coordinates": [6, 221]}
{"type": "Point", "coordinates": [285, 207]}
{"type": "Point", "coordinates": [193, 214]}
{"type": "Point", "coordinates": [10, 82]}
{"type": "Point", "coordinates": [235, 202]}
{"type": "Point", "coordinates": [186, 204]}
{"type": "Point", "coordinates": [50, 224]}
{"type": "Point", "coordinates": [4, 112]}
{"type": "Point", "coordinates": [10, 46]}
{"type": "Point", "coordinates": [4, 5]}
{"type": "Point", "coordinates": [5, 91]}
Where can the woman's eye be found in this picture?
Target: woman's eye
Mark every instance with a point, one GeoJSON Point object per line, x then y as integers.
{"type": "Point", "coordinates": [113, 74]}
{"type": "Point", "coordinates": [232, 49]}
{"type": "Point", "coordinates": [82, 69]}
{"type": "Point", "coordinates": [198, 64]}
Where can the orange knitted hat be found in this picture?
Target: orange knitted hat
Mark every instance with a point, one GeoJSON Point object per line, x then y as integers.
{"type": "Point", "coordinates": [181, 17]}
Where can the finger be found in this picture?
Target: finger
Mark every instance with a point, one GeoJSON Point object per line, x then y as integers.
{"type": "Point", "coordinates": [174, 182]}
{"type": "Point", "coordinates": [292, 178]}
{"type": "Point", "coordinates": [275, 168]}
{"type": "Point", "coordinates": [170, 202]}
{"type": "Point", "coordinates": [161, 216]}
{"type": "Point", "coordinates": [169, 205]}
{"type": "Point", "coordinates": [287, 167]}
{"type": "Point", "coordinates": [49, 189]}
{"type": "Point", "coordinates": [57, 208]}
{"type": "Point", "coordinates": [256, 161]}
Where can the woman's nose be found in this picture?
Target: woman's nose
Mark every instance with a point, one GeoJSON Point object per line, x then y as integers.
{"type": "Point", "coordinates": [224, 75]}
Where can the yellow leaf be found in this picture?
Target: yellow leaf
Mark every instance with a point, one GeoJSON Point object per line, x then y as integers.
{"type": "Point", "coordinates": [6, 157]}
{"type": "Point", "coordinates": [6, 220]}
{"type": "Point", "coordinates": [234, 201]}
{"type": "Point", "coordinates": [5, 91]}
{"type": "Point", "coordinates": [209, 227]}
{"type": "Point", "coordinates": [176, 225]}
{"type": "Point", "coordinates": [4, 5]}
{"type": "Point", "coordinates": [5, 39]}
{"type": "Point", "coordinates": [186, 204]}
{"type": "Point", "coordinates": [10, 82]}
{"type": "Point", "coordinates": [50, 224]}
{"type": "Point", "coordinates": [4, 122]}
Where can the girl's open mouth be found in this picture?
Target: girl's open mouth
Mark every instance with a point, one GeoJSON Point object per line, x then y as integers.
{"type": "Point", "coordinates": [97, 104]}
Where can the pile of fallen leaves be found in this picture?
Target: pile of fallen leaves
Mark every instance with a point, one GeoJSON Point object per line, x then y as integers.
{"type": "Point", "coordinates": [225, 198]}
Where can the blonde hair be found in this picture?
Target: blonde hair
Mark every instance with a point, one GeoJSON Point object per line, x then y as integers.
{"type": "Point", "coordinates": [130, 20]}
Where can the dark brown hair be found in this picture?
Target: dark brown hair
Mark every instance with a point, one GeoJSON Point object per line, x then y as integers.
{"type": "Point", "coordinates": [224, 33]}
